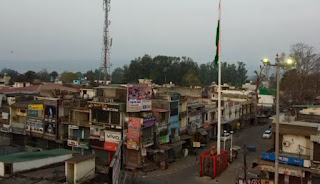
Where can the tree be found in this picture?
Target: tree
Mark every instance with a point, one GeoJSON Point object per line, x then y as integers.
{"type": "Point", "coordinates": [30, 76]}
{"type": "Point", "coordinates": [53, 75]}
{"type": "Point", "coordinates": [118, 76]}
{"type": "Point", "coordinates": [68, 77]}
{"type": "Point", "coordinates": [300, 84]}
{"type": "Point", "coordinates": [259, 78]}
{"type": "Point", "coordinates": [43, 75]}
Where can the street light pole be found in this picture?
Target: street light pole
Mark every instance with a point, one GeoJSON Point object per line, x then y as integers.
{"type": "Point", "coordinates": [231, 132]}
{"type": "Point", "coordinates": [276, 178]}
{"type": "Point", "coordinates": [288, 62]}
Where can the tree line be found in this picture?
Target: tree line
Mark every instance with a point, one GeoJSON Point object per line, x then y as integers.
{"type": "Point", "coordinates": [182, 71]}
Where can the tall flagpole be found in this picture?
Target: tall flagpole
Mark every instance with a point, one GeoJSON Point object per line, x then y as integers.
{"type": "Point", "coordinates": [219, 87]}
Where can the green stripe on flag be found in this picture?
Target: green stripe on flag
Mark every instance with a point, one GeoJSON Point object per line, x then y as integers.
{"type": "Point", "coordinates": [216, 59]}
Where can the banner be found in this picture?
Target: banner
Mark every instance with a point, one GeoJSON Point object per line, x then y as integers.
{"type": "Point", "coordinates": [50, 128]}
{"type": "Point", "coordinates": [133, 134]}
{"type": "Point", "coordinates": [139, 98]}
{"type": "Point", "coordinates": [149, 121]}
{"type": "Point", "coordinates": [134, 127]}
{"type": "Point", "coordinates": [50, 112]}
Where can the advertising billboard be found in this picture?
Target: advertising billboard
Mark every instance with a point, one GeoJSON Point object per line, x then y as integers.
{"type": "Point", "coordinates": [35, 125]}
{"type": "Point", "coordinates": [139, 98]}
{"type": "Point", "coordinates": [35, 110]}
{"type": "Point", "coordinates": [133, 134]}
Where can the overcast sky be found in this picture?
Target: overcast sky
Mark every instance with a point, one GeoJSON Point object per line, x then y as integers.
{"type": "Point", "coordinates": [67, 34]}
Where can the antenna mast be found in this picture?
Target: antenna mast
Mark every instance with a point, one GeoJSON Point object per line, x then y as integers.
{"type": "Point", "coordinates": [106, 41]}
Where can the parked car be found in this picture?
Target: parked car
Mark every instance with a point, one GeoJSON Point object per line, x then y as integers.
{"type": "Point", "coordinates": [267, 134]}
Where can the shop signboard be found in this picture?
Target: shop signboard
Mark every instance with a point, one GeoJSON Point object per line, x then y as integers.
{"type": "Point", "coordinates": [104, 107]}
{"type": "Point", "coordinates": [76, 144]}
{"type": "Point", "coordinates": [37, 107]}
{"type": "Point", "coordinates": [149, 121]}
{"type": "Point", "coordinates": [112, 136]}
{"type": "Point", "coordinates": [35, 125]}
{"type": "Point", "coordinates": [97, 133]}
{"type": "Point", "coordinates": [282, 170]}
{"type": "Point", "coordinates": [110, 146]}
{"type": "Point", "coordinates": [35, 110]}
{"type": "Point", "coordinates": [139, 98]}
{"type": "Point", "coordinates": [5, 128]}
{"type": "Point", "coordinates": [73, 143]}
{"type": "Point", "coordinates": [164, 139]}
{"type": "Point", "coordinates": [283, 159]}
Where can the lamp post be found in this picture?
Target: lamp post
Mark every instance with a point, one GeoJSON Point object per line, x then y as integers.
{"type": "Point", "coordinates": [278, 64]}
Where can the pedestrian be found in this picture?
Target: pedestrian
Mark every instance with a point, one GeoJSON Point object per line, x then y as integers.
{"type": "Point", "coordinates": [217, 181]}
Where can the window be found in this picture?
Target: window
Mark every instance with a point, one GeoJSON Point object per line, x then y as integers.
{"type": "Point", "coordinates": [163, 116]}
{"type": "Point", "coordinates": [99, 92]}
{"type": "Point", "coordinates": [115, 118]}
{"type": "Point", "coordinates": [174, 108]}
{"type": "Point", "coordinates": [100, 116]}
{"type": "Point", "coordinates": [206, 116]}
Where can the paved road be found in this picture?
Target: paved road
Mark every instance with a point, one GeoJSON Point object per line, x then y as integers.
{"type": "Point", "coordinates": [190, 175]}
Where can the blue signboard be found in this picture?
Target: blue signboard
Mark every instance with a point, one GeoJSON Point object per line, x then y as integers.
{"type": "Point", "coordinates": [33, 113]}
{"type": "Point", "coordinates": [283, 159]}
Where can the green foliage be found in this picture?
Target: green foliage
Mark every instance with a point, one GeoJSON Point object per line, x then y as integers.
{"type": "Point", "coordinates": [68, 77]}
{"type": "Point", "coordinates": [181, 71]}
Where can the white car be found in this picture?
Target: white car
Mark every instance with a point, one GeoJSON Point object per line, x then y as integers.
{"type": "Point", "coordinates": [267, 134]}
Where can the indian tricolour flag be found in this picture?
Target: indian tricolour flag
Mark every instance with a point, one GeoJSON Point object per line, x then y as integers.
{"type": "Point", "coordinates": [216, 59]}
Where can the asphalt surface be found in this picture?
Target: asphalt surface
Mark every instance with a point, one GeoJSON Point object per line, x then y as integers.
{"type": "Point", "coordinates": [190, 175]}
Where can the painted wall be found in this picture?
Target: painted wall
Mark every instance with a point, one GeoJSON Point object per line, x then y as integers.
{"type": "Point", "coordinates": [85, 168]}
{"type": "Point", "coordinates": [89, 93]}
{"type": "Point", "coordinates": [21, 84]}
{"type": "Point", "coordinates": [1, 169]}
{"type": "Point", "coordinates": [69, 172]}
{"type": "Point", "coordinates": [174, 121]}
{"type": "Point", "coordinates": [33, 164]}
{"type": "Point", "coordinates": [293, 142]}
{"type": "Point", "coordinates": [266, 100]}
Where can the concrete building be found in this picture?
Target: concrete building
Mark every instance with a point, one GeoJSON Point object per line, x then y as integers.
{"type": "Point", "coordinates": [21, 84]}
{"type": "Point", "coordinates": [18, 162]}
{"type": "Point", "coordinates": [299, 149]}
{"type": "Point", "coordinates": [80, 169]}
{"type": "Point", "coordinates": [5, 80]}
{"type": "Point", "coordinates": [87, 93]}
{"type": "Point", "coordinates": [107, 117]}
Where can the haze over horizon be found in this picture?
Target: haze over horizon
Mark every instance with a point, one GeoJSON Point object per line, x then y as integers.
{"type": "Point", "coordinates": [67, 35]}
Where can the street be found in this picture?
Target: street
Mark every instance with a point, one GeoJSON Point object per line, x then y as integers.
{"type": "Point", "coordinates": [186, 170]}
